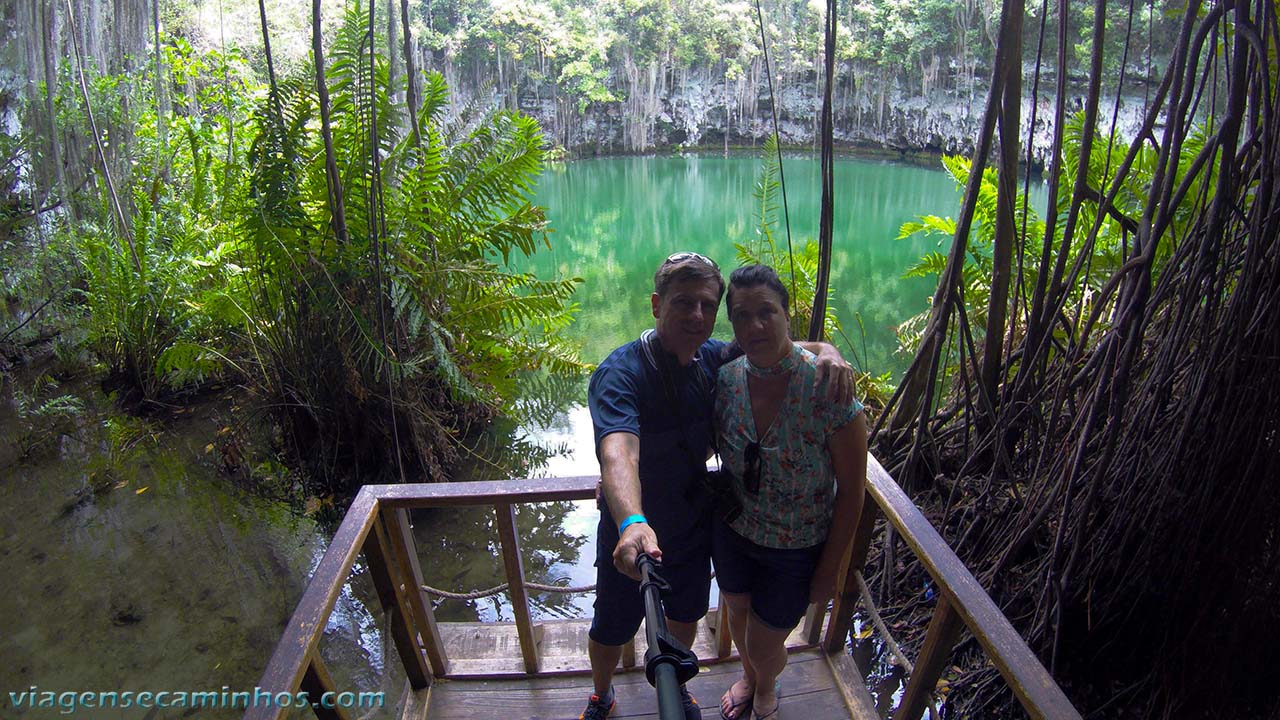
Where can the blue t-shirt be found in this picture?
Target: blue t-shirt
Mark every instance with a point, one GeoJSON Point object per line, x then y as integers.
{"type": "Point", "coordinates": [628, 394]}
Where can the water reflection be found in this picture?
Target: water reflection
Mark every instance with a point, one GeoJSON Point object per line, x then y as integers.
{"type": "Point", "coordinates": [468, 558]}
{"type": "Point", "coordinates": [167, 577]}
{"type": "Point", "coordinates": [459, 550]}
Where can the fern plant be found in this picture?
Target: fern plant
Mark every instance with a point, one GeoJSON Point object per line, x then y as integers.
{"type": "Point", "coordinates": [44, 414]}
{"type": "Point", "coordinates": [1097, 263]}
{"type": "Point", "coordinates": [149, 319]}
{"type": "Point", "coordinates": [385, 351]}
{"type": "Point", "coordinates": [379, 352]}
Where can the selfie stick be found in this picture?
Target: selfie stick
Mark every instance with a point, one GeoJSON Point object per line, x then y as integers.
{"type": "Point", "coordinates": [668, 664]}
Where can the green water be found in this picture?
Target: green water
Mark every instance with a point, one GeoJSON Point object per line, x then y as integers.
{"type": "Point", "coordinates": [138, 566]}
{"type": "Point", "coordinates": [615, 219]}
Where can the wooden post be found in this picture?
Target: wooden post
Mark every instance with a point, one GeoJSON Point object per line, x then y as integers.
{"type": "Point", "coordinates": [506, 523]}
{"type": "Point", "coordinates": [846, 585]}
{"type": "Point", "coordinates": [316, 682]}
{"type": "Point", "coordinates": [405, 551]}
{"type": "Point", "coordinates": [629, 653]}
{"type": "Point", "coordinates": [944, 631]}
{"type": "Point", "coordinates": [388, 583]}
{"type": "Point", "coordinates": [813, 618]}
{"type": "Point", "coordinates": [724, 636]}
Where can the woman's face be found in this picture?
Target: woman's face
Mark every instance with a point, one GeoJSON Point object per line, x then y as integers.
{"type": "Point", "coordinates": [761, 324]}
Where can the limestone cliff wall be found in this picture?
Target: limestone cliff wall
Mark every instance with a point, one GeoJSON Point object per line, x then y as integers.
{"type": "Point", "coordinates": [701, 111]}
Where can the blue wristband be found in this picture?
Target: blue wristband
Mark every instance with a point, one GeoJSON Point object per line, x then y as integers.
{"type": "Point", "coordinates": [631, 520]}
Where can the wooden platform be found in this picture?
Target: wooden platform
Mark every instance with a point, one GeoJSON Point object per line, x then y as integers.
{"type": "Point", "coordinates": [809, 692]}
{"type": "Point", "coordinates": [483, 650]}
{"type": "Point", "coordinates": [529, 670]}
{"type": "Point", "coordinates": [486, 677]}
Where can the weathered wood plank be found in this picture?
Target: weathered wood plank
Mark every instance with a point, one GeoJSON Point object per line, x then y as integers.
{"type": "Point", "coordinates": [942, 634]}
{"type": "Point", "coordinates": [846, 586]}
{"type": "Point", "coordinates": [808, 691]}
{"type": "Point", "coordinates": [317, 681]}
{"type": "Point", "coordinates": [288, 661]}
{"type": "Point", "coordinates": [415, 704]}
{"type": "Point", "coordinates": [492, 650]}
{"type": "Point", "coordinates": [812, 625]}
{"type": "Point", "coordinates": [724, 637]}
{"type": "Point", "coordinates": [849, 682]}
{"type": "Point", "coordinates": [506, 523]}
{"type": "Point", "coordinates": [628, 659]}
{"type": "Point", "coordinates": [392, 586]}
{"type": "Point", "coordinates": [424, 618]}
{"type": "Point", "coordinates": [424, 495]}
{"type": "Point", "coordinates": [1031, 683]}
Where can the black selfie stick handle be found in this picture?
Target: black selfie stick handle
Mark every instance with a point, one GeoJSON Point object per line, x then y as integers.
{"type": "Point", "coordinates": [667, 662]}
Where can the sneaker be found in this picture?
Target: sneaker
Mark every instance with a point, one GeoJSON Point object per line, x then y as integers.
{"type": "Point", "coordinates": [691, 709]}
{"type": "Point", "coordinates": [597, 708]}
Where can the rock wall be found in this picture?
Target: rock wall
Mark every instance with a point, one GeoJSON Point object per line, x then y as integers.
{"type": "Point", "coordinates": [701, 111]}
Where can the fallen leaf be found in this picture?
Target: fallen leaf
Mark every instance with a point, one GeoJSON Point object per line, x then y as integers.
{"type": "Point", "coordinates": [208, 448]}
{"type": "Point", "coordinates": [121, 484]}
{"type": "Point", "coordinates": [141, 490]}
{"type": "Point", "coordinates": [866, 632]}
{"type": "Point", "coordinates": [312, 506]}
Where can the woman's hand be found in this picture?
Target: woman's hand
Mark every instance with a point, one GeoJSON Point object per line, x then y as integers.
{"type": "Point", "coordinates": [848, 448]}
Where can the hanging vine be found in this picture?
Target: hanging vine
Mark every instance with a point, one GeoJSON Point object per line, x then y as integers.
{"type": "Point", "coordinates": [1108, 481]}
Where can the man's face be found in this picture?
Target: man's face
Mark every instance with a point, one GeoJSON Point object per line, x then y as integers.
{"type": "Point", "coordinates": [686, 315]}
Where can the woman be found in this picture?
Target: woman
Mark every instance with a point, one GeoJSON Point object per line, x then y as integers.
{"type": "Point", "coordinates": [798, 465]}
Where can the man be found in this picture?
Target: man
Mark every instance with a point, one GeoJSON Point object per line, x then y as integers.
{"type": "Point", "coordinates": [651, 406]}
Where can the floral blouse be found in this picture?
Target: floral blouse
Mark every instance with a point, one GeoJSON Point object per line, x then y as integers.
{"type": "Point", "coordinates": [796, 497]}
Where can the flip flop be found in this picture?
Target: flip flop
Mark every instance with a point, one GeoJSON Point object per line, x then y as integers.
{"type": "Point", "coordinates": [757, 716]}
{"type": "Point", "coordinates": [740, 710]}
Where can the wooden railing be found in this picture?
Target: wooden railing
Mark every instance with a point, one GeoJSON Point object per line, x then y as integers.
{"type": "Point", "coordinates": [962, 603]}
{"type": "Point", "coordinates": [377, 523]}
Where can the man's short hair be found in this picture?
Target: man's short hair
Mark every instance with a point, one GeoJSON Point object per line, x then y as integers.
{"type": "Point", "coordinates": [694, 267]}
{"type": "Point", "coordinates": [755, 276]}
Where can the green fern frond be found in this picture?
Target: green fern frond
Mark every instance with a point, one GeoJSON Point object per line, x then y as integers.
{"type": "Point", "coordinates": [435, 97]}
{"type": "Point", "coordinates": [932, 263]}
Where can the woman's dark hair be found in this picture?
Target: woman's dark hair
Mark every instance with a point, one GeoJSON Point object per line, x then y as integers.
{"type": "Point", "coordinates": [755, 276]}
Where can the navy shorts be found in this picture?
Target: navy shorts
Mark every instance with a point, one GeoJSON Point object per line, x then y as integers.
{"type": "Point", "coordinates": [777, 579]}
{"type": "Point", "coordinates": [619, 607]}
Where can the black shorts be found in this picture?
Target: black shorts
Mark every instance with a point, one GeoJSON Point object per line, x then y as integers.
{"type": "Point", "coordinates": [619, 607]}
{"type": "Point", "coordinates": [777, 579]}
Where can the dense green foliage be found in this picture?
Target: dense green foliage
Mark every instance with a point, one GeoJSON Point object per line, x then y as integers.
{"type": "Point", "coordinates": [605, 75]}
{"type": "Point", "coordinates": [1091, 262]}
{"type": "Point", "coordinates": [574, 47]}
{"type": "Point", "coordinates": [377, 352]}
